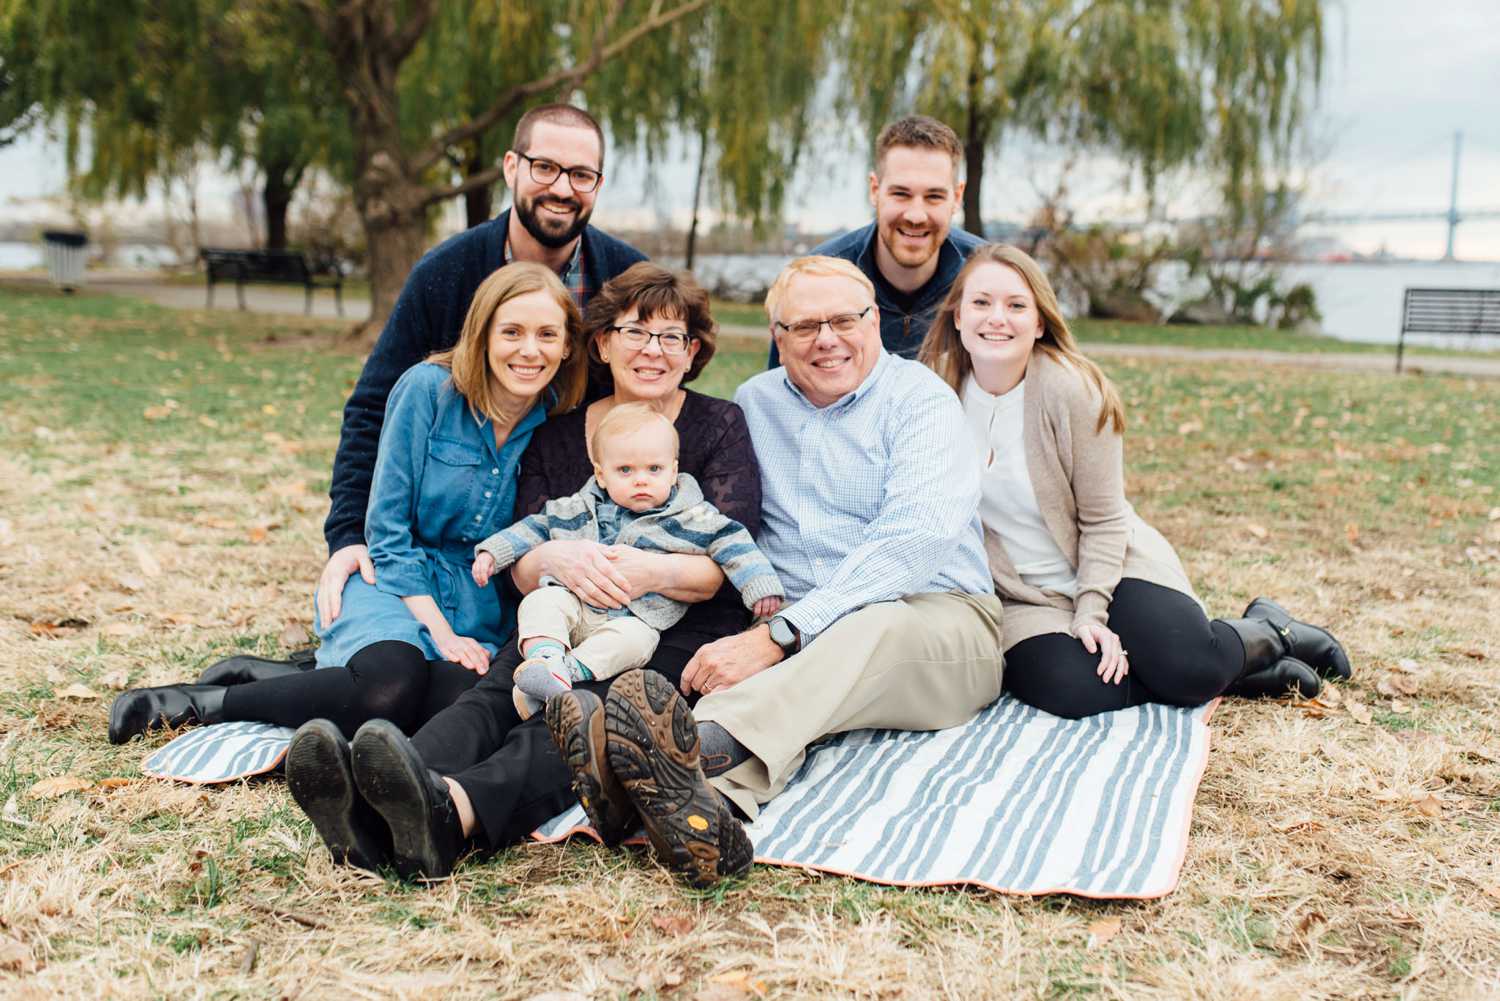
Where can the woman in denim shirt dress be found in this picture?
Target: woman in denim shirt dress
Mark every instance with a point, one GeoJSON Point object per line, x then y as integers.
{"type": "Point", "coordinates": [409, 643]}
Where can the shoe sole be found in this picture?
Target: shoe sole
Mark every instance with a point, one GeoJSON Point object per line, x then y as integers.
{"type": "Point", "coordinates": [652, 747]}
{"type": "Point", "coordinates": [321, 780]}
{"type": "Point", "coordinates": [576, 720]}
{"type": "Point", "coordinates": [393, 781]}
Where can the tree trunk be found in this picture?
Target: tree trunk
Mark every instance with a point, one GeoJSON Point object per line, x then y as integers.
{"type": "Point", "coordinates": [974, 141]}
{"type": "Point", "coordinates": [478, 202]}
{"type": "Point", "coordinates": [276, 197]}
{"type": "Point", "coordinates": [392, 208]}
{"type": "Point", "coordinates": [692, 234]}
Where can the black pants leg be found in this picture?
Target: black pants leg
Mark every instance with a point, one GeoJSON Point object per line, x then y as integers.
{"type": "Point", "coordinates": [1177, 657]}
{"type": "Point", "coordinates": [387, 680]}
{"type": "Point", "coordinates": [512, 772]}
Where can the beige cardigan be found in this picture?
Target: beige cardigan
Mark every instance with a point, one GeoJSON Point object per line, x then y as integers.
{"type": "Point", "coordinates": [1079, 478]}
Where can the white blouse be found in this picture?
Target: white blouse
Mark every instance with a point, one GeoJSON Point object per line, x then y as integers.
{"type": "Point", "coordinates": [1007, 502]}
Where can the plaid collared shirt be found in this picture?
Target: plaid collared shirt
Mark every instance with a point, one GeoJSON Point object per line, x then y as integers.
{"type": "Point", "coordinates": [573, 278]}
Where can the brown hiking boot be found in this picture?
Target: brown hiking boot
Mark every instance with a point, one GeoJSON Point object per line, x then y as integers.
{"type": "Point", "coordinates": [652, 747]}
{"type": "Point", "coordinates": [576, 719]}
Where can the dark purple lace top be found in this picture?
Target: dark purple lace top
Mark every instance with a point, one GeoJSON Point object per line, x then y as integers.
{"type": "Point", "coordinates": [715, 450]}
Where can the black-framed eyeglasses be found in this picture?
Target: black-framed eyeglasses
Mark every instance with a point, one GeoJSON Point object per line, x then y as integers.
{"type": "Point", "coordinates": [672, 342]}
{"type": "Point", "coordinates": [582, 179]}
{"type": "Point", "coordinates": [839, 323]}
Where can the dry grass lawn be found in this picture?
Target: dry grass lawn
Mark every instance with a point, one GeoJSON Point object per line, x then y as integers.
{"type": "Point", "coordinates": [162, 489]}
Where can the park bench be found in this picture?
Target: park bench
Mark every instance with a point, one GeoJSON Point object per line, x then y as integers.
{"type": "Point", "coordinates": [279, 267]}
{"type": "Point", "coordinates": [1470, 311]}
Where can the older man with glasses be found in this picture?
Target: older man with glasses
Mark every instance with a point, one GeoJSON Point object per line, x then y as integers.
{"type": "Point", "coordinates": [869, 515]}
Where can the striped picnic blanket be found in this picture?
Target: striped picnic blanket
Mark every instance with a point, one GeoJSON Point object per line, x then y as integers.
{"type": "Point", "coordinates": [1015, 800]}
{"type": "Point", "coordinates": [222, 752]}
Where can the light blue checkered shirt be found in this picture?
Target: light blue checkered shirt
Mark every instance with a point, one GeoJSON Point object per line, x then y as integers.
{"type": "Point", "coordinates": [872, 498]}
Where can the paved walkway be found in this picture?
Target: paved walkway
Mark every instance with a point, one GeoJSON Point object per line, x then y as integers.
{"type": "Point", "coordinates": [289, 300]}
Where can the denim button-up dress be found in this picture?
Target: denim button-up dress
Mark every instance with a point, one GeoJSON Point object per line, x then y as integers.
{"type": "Point", "coordinates": [440, 486]}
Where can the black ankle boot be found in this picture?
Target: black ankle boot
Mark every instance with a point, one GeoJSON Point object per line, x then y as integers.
{"type": "Point", "coordinates": [243, 669]}
{"type": "Point", "coordinates": [142, 710]}
{"type": "Point", "coordinates": [1270, 668]}
{"type": "Point", "coordinates": [1310, 644]}
{"type": "Point", "coordinates": [427, 836]}
{"type": "Point", "coordinates": [1279, 679]}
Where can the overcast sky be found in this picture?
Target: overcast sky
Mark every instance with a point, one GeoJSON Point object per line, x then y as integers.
{"type": "Point", "coordinates": [1400, 79]}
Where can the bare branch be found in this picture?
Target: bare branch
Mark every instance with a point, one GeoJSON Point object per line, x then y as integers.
{"type": "Point", "coordinates": [403, 41]}
{"type": "Point", "coordinates": [487, 176]}
{"type": "Point", "coordinates": [507, 102]}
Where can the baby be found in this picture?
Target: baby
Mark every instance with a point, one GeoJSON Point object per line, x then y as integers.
{"type": "Point", "coordinates": [635, 498]}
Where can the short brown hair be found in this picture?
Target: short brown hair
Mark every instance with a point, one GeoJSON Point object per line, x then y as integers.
{"type": "Point", "coordinates": [469, 359]}
{"type": "Point", "coordinates": [921, 132]}
{"type": "Point", "coordinates": [943, 351]}
{"type": "Point", "coordinates": [557, 114]}
{"type": "Point", "coordinates": [653, 291]}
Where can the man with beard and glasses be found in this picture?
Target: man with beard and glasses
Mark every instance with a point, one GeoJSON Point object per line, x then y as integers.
{"type": "Point", "coordinates": [910, 252]}
{"type": "Point", "coordinates": [554, 169]}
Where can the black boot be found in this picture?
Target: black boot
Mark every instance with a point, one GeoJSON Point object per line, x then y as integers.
{"type": "Point", "coordinates": [242, 669]}
{"type": "Point", "coordinates": [1313, 645]}
{"type": "Point", "coordinates": [142, 710]}
{"type": "Point", "coordinates": [1270, 668]}
{"type": "Point", "coordinates": [321, 780]}
{"type": "Point", "coordinates": [427, 837]}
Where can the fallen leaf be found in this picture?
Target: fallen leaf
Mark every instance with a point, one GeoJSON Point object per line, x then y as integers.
{"type": "Point", "coordinates": [122, 629]}
{"type": "Point", "coordinates": [1189, 427]}
{"type": "Point", "coordinates": [1102, 930]}
{"type": "Point", "coordinates": [15, 956]}
{"type": "Point", "coordinates": [1259, 531]}
{"type": "Point", "coordinates": [115, 782]}
{"type": "Point", "coordinates": [1300, 824]}
{"type": "Point", "coordinates": [290, 488]}
{"type": "Point", "coordinates": [44, 627]}
{"type": "Point", "coordinates": [1406, 665]}
{"type": "Point", "coordinates": [294, 635]}
{"type": "Point", "coordinates": [178, 618]}
{"type": "Point", "coordinates": [741, 980]}
{"type": "Point", "coordinates": [1429, 806]}
{"type": "Point", "coordinates": [1397, 706]}
{"type": "Point", "coordinates": [1491, 889]}
{"type": "Point", "coordinates": [257, 535]}
{"type": "Point", "coordinates": [147, 562]}
{"type": "Point", "coordinates": [268, 409]}
{"type": "Point", "coordinates": [130, 582]}
{"type": "Point", "coordinates": [58, 785]}
{"type": "Point", "coordinates": [1406, 685]}
{"type": "Point", "coordinates": [11, 814]}
{"type": "Point", "coordinates": [1384, 687]}
{"type": "Point", "coordinates": [1331, 696]}
{"type": "Point", "coordinates": [1351, 532]}
{"type": "Point", "coordinates": [674, 925]}
{"type": "Point", "coordinates": [1359, 711]}
{"type": "Point", "coordinates": [77, 691]}
{"type": "Point", "coordinates": [1310, 920]}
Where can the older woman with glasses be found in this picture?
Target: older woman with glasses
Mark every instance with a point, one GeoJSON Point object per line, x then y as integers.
{"type": "Point", "coordinates": [476, 775]}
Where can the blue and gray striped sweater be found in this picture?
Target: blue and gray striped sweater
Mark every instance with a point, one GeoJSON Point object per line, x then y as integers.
{"type": "Point", "coordinates": [686, 524]}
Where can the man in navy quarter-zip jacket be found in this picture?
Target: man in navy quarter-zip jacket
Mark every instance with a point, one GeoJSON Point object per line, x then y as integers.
{"type": "Point", "coordinates": [910, 252]}
{"type": "Point", "coordinates": [554, 170]}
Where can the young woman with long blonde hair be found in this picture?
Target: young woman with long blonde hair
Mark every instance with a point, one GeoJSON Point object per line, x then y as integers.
{"type": "Point", "coordinates": [1099, 614]}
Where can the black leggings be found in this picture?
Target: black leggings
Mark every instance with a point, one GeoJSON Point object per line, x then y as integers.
{"type": "Point", "coordinates": [386, 680]}
{"type": "Point", "coordinates": [1177, 656]}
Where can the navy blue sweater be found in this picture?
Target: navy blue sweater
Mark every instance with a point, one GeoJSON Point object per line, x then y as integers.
{"type": "Point", "coordinates": [428, 317]}
{"type": "Point", "coordinates": [904, 318]}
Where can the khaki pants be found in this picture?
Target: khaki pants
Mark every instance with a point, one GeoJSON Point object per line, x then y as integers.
{"type": "Point", "coordinates": [606, 646]}
{"type": "Point", "coordinates": [924, 662]}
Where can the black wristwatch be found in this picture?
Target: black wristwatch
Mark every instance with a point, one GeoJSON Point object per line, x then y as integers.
{"type": "Point", "coordinates": [785, 635]}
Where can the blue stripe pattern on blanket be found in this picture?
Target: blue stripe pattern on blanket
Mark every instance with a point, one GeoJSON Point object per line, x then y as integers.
{"type": "Point", "coordinates": [222, 752]}
{"type": "Point", "coordinates": [1014, 800]}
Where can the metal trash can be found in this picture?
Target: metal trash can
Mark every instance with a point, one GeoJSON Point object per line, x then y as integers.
{"type": "Point", "coordinates": [65, 251]}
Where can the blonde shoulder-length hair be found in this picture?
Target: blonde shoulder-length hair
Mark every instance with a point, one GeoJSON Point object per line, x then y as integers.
{"type": "Point", "coordinates": [469, 359]}
{"type": "Point", "coordinates": [943, 351]}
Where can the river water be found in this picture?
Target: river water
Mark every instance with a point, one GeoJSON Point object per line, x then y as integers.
{"type": "Point", "coordinates": [1360, 301]}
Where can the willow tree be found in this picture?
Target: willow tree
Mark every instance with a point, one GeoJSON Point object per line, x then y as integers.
{"type": "Point", "coordinates": [399, 173]}
{"type": "Point", "coordinates": [738, 84]}
{"type": "Point", "coordinates": [1220, 84]}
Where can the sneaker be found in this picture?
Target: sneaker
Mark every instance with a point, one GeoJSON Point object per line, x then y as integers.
{"type": "Point", "coordinates": [652, 747]}
{"type": "Point", "coordinates": [576, 719]}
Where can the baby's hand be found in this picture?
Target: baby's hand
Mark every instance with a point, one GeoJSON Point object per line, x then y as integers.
{"type": "Point", "coordinates": [767, 607]}
{"type": "Point", "coordinates": [484, 569]}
